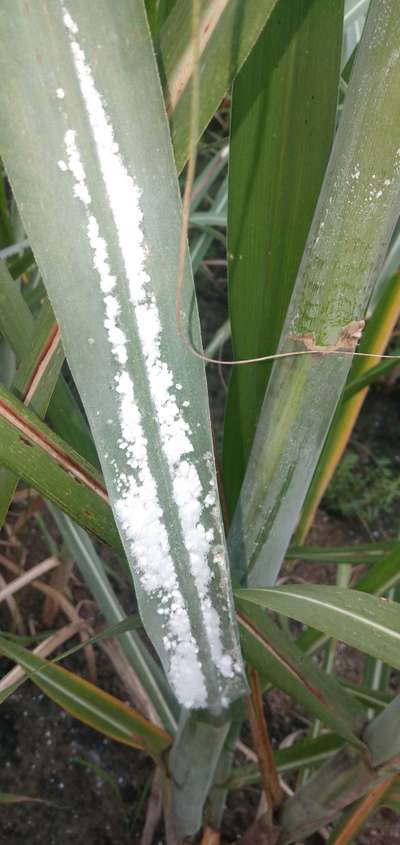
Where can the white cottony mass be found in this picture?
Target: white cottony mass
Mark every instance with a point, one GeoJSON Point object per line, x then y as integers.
{"type": "Point", "coordinates": [137, 506]}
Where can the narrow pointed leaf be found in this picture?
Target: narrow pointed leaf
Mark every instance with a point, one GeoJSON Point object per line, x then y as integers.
{"type": "Point", "coordinates": [308, 753]}
{"type": "Point", "coordinates": [339, 782]}
{"type": "Point", "coordinates": [112, 216]}
{"type": "Point", "coordinates": [367, 554]}
{"type": "Point", "coordinates": [16, 321]}
{"type": "Point", "coordinates": [278, 660]}
{"type": "Point", "coordinates": [12, 798]}
{"type": "Point", "coordinates": [345, 778]}
{"type": "Point", "coordinates": [356, 818]}
{"type": "Point", "coordinates": [39, 370]}
{"type": "Point", "coordinates": [351, 231]}
{"type": "Point", "coordinates": [88, 703]}
{"type": "Point", "coordinates": [17, 325]}
{"type": "Point", "coordinates": [368, 623]}
{"type": "Point", "coordinates": [283, 120]}
{"type": "Point", "coordinates": [31, 450]}
{"type": "Point", "coordinates": [228, 30]}
{"type": "Point", "coordinates": [383, 736]}
{"type": "Point", "coordinates": [217, 798]}
{"type": "Point", "coordinates": [34, 384]}
{"type": "Point", "coordinates": [369, 697]}
{"type": "Point", "coordinates": [117, 630]}
{"type": "Point", "coordinates": [373, 374]}
{"type": "Point", "coordinates": [92, 570]}
{"type": "Point", "coordinates": [380, 577]}
{"type": "Point", "coordinates": [376, 337]}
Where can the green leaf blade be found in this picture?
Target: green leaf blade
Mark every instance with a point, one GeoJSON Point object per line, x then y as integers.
{"type": "Point", "coordinates": [93, 571]}
{"type": "Point", "coordinates": [366, 622]}
{"type": "Point", "coordinates": [30, 449]}
{"type": "Point", "coordinates": [283, 119]}
{"type": "Point", "coordinates": [278, 660]}
{"type": "Point", "coordinates": [228, 31]}
{"type": "Point", "coordinates": [88, 703]}
{"type": "Point", "coordinates": [351, 230]}
{"type": "Point", "coordinates": [113, 201]}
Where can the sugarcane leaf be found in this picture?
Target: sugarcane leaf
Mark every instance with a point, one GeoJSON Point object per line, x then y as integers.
{"type": "Point", "coordinates": [30, 449]}
{"type": "Point", "coordinates": [34, 384]}
{"type": "Point", "coordinates": [367, 553]}
{"type": "Point", "coordinates": [228, 31]}
{"type": "Point", "coordinates": [346, 777]}
{"type": "Point", "coordinates": [283, 119]}
{"type": "Point", "coordinates": [304, 754]}
{"type": "Point", "coordinates": [278, 660]}
{"type": "Point", "coordinates": [13, 798]}
{"type": "Point", "coordinates": [351, 231]}
{"type": "Point", "coordinates": [16, 321]}
{"type": "Point", "coordinates": [383, 738]}
{"type": "Point", "coordinates": [371, 698]}
{"type": "Point", "coordinates": [200, 738]}
{"type": "Point", "coordinates": [354, 820]}
{"type": "Point", "coordinates": [384, 573]}
{"type": "Point", "coordinates": [17, 325]}
{"type": "Point", "coordinates": [372, 375]}
{"type": "Point", "coordinates": [88, 703]}
{"type": "Point", "coordinates": [92, 569]}
{"type": "Point", "coordinates": [376, 337]}
{"type": "Point", "coordinates": [106, 243]}
{"type": "Point", "coordinates": [368, 623]}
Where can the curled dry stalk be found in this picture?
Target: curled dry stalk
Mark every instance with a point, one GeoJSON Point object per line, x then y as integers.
{"type": "Point", "coordinates": [357, 818]}
{"type": "Point", "coordinates": [30, 577]}
{"type": "Point", "coordinates": [44, 649]}
{"type": "Point", "coordinates": [262, 745]}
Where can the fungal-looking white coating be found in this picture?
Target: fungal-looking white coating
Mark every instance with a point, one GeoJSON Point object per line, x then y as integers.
{"type": "Point", "coordinates": [148, 536]}
{"type": "Point", "coordinates": [138, 508]}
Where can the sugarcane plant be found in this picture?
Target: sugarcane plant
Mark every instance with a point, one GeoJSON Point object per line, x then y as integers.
{"type": "Point", "coordinates": [102, 105]}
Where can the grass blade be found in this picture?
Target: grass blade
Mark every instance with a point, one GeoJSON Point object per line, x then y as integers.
{"type": "Point", "coordinates": [10, 798]}
{"type": "Point", "coordinates": [380, 577]}
{"type": "Point", "coordinates": [34, 384]}
{"type": "Point", "coordinates": [358, 816]}
{"type": "Point", "coordinates": [88, 703]}
{"type": "Point", "coordinates": [108, 175]}
{"type": "Point", "coordinates": [376, 337]}
{"type": "Point", "coordinates": [392, 798]}
{"type": "Point", "coordinates": [366, 622]}
{"type": "Point", "coordinates": [367, 554]}
{"type": "Point", "coordinates": [30, 449]}
{"type": "Point", "coordinates": [17, 325]}
{"type": "Point", "coordinates": [279, 661]}
{"type": "Point", "coordinates": [358, 208]}
{"type": "Point", "coordinates": [92, 570]}
{"type": "Point", "coordinates": [344, 778]}
{"type": "Point", "coordinates": [228, 31]}
{"type": "Point", "coordinates": [310, 752]}
{"type": "Point", "coordinates": [383, 737]}
{"type": "Point", "coordinates": [282, 126]}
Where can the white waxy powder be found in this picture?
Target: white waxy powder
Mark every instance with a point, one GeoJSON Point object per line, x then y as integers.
{"type": "Point", "coordinates": [146, 533]}
{"type": "Point", "coordinates": [138, 508]}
